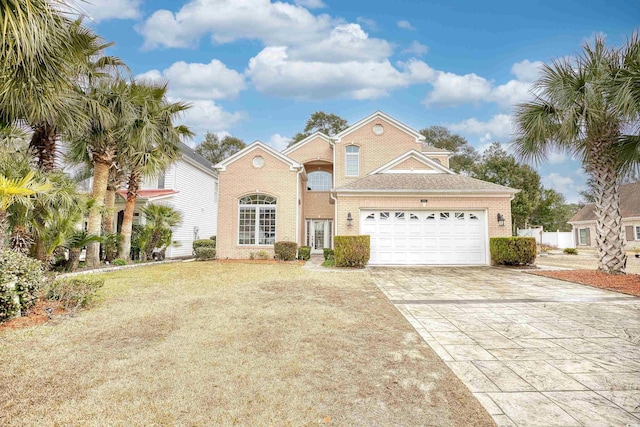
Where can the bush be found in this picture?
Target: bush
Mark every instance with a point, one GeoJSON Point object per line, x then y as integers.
{"type": "Point", "coordinates": [513, 250]}
{"type": "Point", "coordinates": [328, 254]}
{"type": "Point", "coordinates": [352, 251]}
{"type": "Point", "coordinates": [262, 255]}
{"type": "Point", "coordinates": [213, 238]}
{"type": "Point", "coordinates": [74, 292]}
{"type": "Point", "coordinates": [204, 243]}
{"type": "Point", "coordinates": [304, 252]}
{"type": "Point", "coordinates": [204, 253]}
{"type": "Point", "coordinates": [570, 251]}
{"type": "Point", "coordinates": [119, 261]}
{"type": "Point", "coordinates": [285, 251]}
{"type": "Point", "coordinates": [20, 280]}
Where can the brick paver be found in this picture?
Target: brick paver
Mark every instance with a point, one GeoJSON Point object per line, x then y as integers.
{"type": "Point", "coordinates": [534, 351]}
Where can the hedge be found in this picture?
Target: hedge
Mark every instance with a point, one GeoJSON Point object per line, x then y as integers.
{"type": "Point", "coordinates": [304, 252]}
{"type": "Point", "coordinates": [205, 253]}
{"type": "Point", "coordinates": [285, 251]}
{"type": "Point", "coordinates": [328, 254]}
{"type": "Point", "coordinates": [513, 250]}
{"type": "Point", "coordinates": [204, 243]}
{"type": "Point", "coordinates": [20, 280]}
{"type": "Point", "coordinates": [352, 251]}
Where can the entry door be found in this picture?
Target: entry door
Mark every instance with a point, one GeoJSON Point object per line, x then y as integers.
{"type": "Point", "coordinates": [319, 234]}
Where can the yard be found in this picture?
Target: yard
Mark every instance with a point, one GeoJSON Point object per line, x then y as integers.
{"type": "Point", "coordinates": [585, 260]}
{"type": "Point", "coordinates": [230, 344]}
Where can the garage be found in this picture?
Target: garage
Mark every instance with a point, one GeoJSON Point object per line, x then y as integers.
{"type": "Point", "coordinates": [438, 237]}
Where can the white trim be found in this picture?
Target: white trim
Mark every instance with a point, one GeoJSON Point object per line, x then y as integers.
{"type": "Point", "coordinates": [637, 232]}
{"type": "Point", "coordinates": [404, 193]}
{"type": "Point", "coordinates": [199, 166]}
{"type": "Point", "coordinates": [379, 115]}
{"type": "Point", "coordinates": [414, 154]}
{"type": "Point", "coordinates": [308, 139]}
{"type": "Point", "coordinates": [293, 165]}
{"type": "Point", "coordinates": [347, 155]}
{"type": "Point", "coordinates": [585, 236]}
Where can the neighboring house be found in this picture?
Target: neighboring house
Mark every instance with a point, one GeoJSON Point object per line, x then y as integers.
{"type": "Point", "coordinates": [584, 221]}
{"type": "Point", "coordinates": [376, 177]}
{"type": "Point", "coordinates": [189, 185]}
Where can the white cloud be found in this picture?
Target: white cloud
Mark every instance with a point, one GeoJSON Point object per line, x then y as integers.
{"type": "Point", "coordinates": [276, 23]}
{"type": "Point", "coordinates": [556, 158]}
{"type": "Point", "coordinates": [371, 24]}
{"type": "Point", "coordinates": [416, 48]}
{"type": "Point", "coordinates": [102, 10]}
{"type": "Point", "coordinates": [498, 128]}
{"type": "Point", "coordinates": [405, 25]}
{"type": "Point", "coordinates": [278, 141]}
{"type": "Point", "coordinates": [311, 4]}
{"type": "Point", "coordinates": [199, 81]}
{"type": "Point", "coordinates": [563, 184]}
{"type": "Point", "coordinates": [511, 93]}
{"type": "Point", "coordinates": [451, 89]}
{"type": "Point", "coordinates": [272, 71]}
{"type": "Point", "coordinates": [207, 116]}
{"type": "Point", "coordinates": [527, 71]}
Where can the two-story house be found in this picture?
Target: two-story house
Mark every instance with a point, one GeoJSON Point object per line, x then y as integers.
{"type": "Point", "coordinates": [376, 177]}
{"type": "Point", "coordinates": [190, 186]}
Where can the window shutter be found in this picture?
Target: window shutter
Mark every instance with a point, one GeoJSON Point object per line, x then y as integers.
{"type": "Point", "coordinates": [629, 233]}
{"type": "Point", "coordinates": [588, 236]}
{"type": "Point", "coordinates": [577, 236]}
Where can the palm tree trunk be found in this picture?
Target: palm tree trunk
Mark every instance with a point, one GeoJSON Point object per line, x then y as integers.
{"type": "Point", "coordinates": [610, 244]}
{"type": "Point", "coordinates": [127, 222]}
{"type": "Point", "coordinates": [4, 227]}
{"type": "Point", "coordinates": [74, 259]}
{"type": "Point", "coordinates": [109, 204]}
{"type": "Point", "coordinates": [100, 179]}
{"type": "Point", "coordinates": [43, 146]}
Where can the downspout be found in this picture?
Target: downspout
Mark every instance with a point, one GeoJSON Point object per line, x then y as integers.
{"type": "Point", "coordinates": [331, 195]}
{"type": "Point", "coordinates": [300, 171]}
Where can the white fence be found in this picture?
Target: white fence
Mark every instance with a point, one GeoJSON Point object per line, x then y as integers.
{"type": "Point", "coordinates": [558, 239]}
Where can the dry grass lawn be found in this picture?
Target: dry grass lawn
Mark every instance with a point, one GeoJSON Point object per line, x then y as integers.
{"type": "Point", "coordinates": [585, 260]}
{"type": "Point", "coordinates": [230, 344]}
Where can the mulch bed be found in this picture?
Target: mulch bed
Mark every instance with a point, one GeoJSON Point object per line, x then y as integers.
{"type": "Point", "coordinates": [37, 315]}
{"type": "Point", "coordinates": [626, 284]}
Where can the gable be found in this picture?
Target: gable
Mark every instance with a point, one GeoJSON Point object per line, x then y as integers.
{"type": "Point", "coordinates": [315, 147]}
{"type": "Point", "coordinates": [258, 149]}
{"type": "Point", "coordinates": [410, 164]}
{"type": "Point", "coordinates": [382, 119]}
{"type": "Point", "coordinates": [413, 162]}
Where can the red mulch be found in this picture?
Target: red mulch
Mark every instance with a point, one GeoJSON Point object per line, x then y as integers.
{"type": "Point", "coordinates": [626, 284]}
{"type": "Point", "coordinates": [36, 316]}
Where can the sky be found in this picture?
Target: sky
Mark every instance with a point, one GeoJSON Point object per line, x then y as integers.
{"type": "Point", "coordinates": [257, 69]}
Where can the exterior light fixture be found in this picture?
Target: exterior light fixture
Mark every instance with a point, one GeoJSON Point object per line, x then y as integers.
{"type": "Point", "coordinates": [501, 220]}
{"type": "Point", "coordinates": [349, 220]}
{"type": "Point", "coordinates": [424, 202]}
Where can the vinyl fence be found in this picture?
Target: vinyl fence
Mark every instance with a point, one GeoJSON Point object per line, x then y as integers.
{"type": "Point", "coordinates": [558, 239]}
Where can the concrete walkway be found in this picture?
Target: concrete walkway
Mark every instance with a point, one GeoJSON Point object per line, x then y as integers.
{"type": "Point", "coordinates": [534, 351]}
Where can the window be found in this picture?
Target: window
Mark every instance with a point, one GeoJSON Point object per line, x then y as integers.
{"type": "Point", "coordinates": [473, 217]}
{"type": "Point", "coordinates": [413, 217]}
{"type": "Point", "coordinates": [161, 179]}
{"type": "Point", "coordinates": [384, 215]}
{"type": "Point", "coordinates": [352, 160]}
{"type": "Point", "coordinates": [637, 232]}
{"type": "Point", "coordinates": [583, 235]}
{"type": "Point", "coordinates": [459, 216]}
{"type": "Point", "coordinates": [444, 215]}
{"type": "Point", "coordinates": [370, 217]}
{"type": "Point", "coordinates": [257, 220]}
{"type": "Point", "coordinates": [430, 217]}
{"type": "Point", "coordinates": [319, 181]}
{"type": "Point", "coordinates": [399, 215]}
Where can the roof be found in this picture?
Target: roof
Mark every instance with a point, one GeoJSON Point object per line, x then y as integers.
{"type": "Point", "coordinates": [379, 115]}
{"type": "Point", "coordinates": [629, 204]}
{"type": "Point", "coordinates": [253, 146]}
{"type": "Point", "coordinates": [191, 154]}
{"type": "Point", "coordinates": [149, 194]}
{"type": "Point", "coordinates": [426, 148]}
{"type": "Point", "coordinates": [424, 183]}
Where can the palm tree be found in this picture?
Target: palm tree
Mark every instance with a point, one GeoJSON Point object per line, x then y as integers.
{"type": "Point", "coordinates": [154, 145]}
{"type": "Point", "coordinates": [574, 113]}
{"type": "Point", "coordinates": [75, 243]}
{"type": "Point", "coordinates": [159, 221]}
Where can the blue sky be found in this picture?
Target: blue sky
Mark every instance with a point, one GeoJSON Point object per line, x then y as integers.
{"type": "Point", "coordinates": [257, 69]}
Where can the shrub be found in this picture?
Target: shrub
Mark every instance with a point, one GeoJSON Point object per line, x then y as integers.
{"type": "Point", "coordinates": [20, 280]}
{"type": "Point", "coordinates": [74, 292]}
{"type": "Point", "coordinates": [262, 255]}
{"type": "Point", "coordinates": [513, 250]}
{"type": "Point", "coordinates": [119, 261]}
{"type": "Point", "coordinates": [204, 243]}
{"type": "Point", "coordinates": [570, 251]}
{"type": "Point", "coordinates": [304, 252]}
{"type": "Point", "coordinates": [328, 254]}
{"type": "Point", "coordinates": [214, 239]}
{"type": "Point", "coordinates": [545, 248]}
{"type": "Point", "coordinates": [205, 253]}
{"type": "Point", "coordinates": [285, 251]}
{"type": "Point", "coordinates": [352, 251]}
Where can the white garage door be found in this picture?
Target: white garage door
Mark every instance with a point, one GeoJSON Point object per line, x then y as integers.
{"type": "Point", "coordinates": [426, 237]}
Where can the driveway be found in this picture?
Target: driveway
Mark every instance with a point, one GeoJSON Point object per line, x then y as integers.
{"type": "Point", "coordinates": [534, 351]}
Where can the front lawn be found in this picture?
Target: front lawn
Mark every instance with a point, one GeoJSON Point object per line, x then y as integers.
{"type": "Point", "coordinates": [230, 344]}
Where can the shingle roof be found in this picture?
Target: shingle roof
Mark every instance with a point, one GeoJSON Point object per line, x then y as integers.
{"type": "Point", "coordinates": [149, 194]}
{"type": "Point", "coordinates": [190, 153]}
{"type": "Point", "coordinates": [424, 182]}
{"type": "Point", "coordinates": [426, 148]}
{"type": "Point", "coordinates": [629, 204]}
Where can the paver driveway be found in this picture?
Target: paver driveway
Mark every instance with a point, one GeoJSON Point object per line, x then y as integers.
{"type": "Point", "coordinates": [534, 351]}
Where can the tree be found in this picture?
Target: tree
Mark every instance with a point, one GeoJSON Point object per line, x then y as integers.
{"type": "Point", "coordinates": [152, 145]}
{"type": "Point", "coordinates": [157, 230]}
{"type": "Point", "coordinates": [552, 211]}
{"type": "Point", "coordinates": [500, 167]}
{"type": "Point", "coordinates": [464, 156]}
{"type": "Point", "coordinates": [75, 243]}
{"type": "Point", "coordinates": [216, 150]}
{"type": "Point", "coordinates": [575, 111]}
{"type": "Point", "coordinates": [329, 124]}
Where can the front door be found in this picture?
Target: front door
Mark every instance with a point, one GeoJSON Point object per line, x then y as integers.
{"type": "Point", "coordinates": [319, 234]}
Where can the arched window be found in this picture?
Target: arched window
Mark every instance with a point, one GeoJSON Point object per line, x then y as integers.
{"type": "Point", "coordinates": [352, 160]}
{"type": "Point", "coordinates": [257, 220]}
{"type": "Point", "coordinates": [319, 181]}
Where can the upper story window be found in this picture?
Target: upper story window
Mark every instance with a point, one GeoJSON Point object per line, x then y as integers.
{"type": "Point", "coordinates": [352, 160]}
{"type": "Point", "coordinates": [319, 181]}
{"type": "Point", "coordinates": [161, 180]}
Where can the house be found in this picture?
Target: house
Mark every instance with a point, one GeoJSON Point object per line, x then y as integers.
{"type": "Point", "coordinates": [376, 177]}
{"type": "Point", "coordinates": [584, 221]}
{"type": "Point", "coordinates": [189, 185]}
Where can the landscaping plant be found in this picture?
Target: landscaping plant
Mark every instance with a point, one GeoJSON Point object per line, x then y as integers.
{"type": "Point", "coordinates": [352, 251]}
{"type": "Point", "coordinates": [20, 280]}
{"type": "Point", "coordinates": [285, 251]}
{"type": "Point", "coordinates": [205, 253]}
{"type": "Point", "coordinates": [304, 252]}
{"type": "Point", "coordinates": [513, 250]}
{"type": "Point", "coordinates": [74, 292]}
{"type": "Point", "coordinates": [570, 251]}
